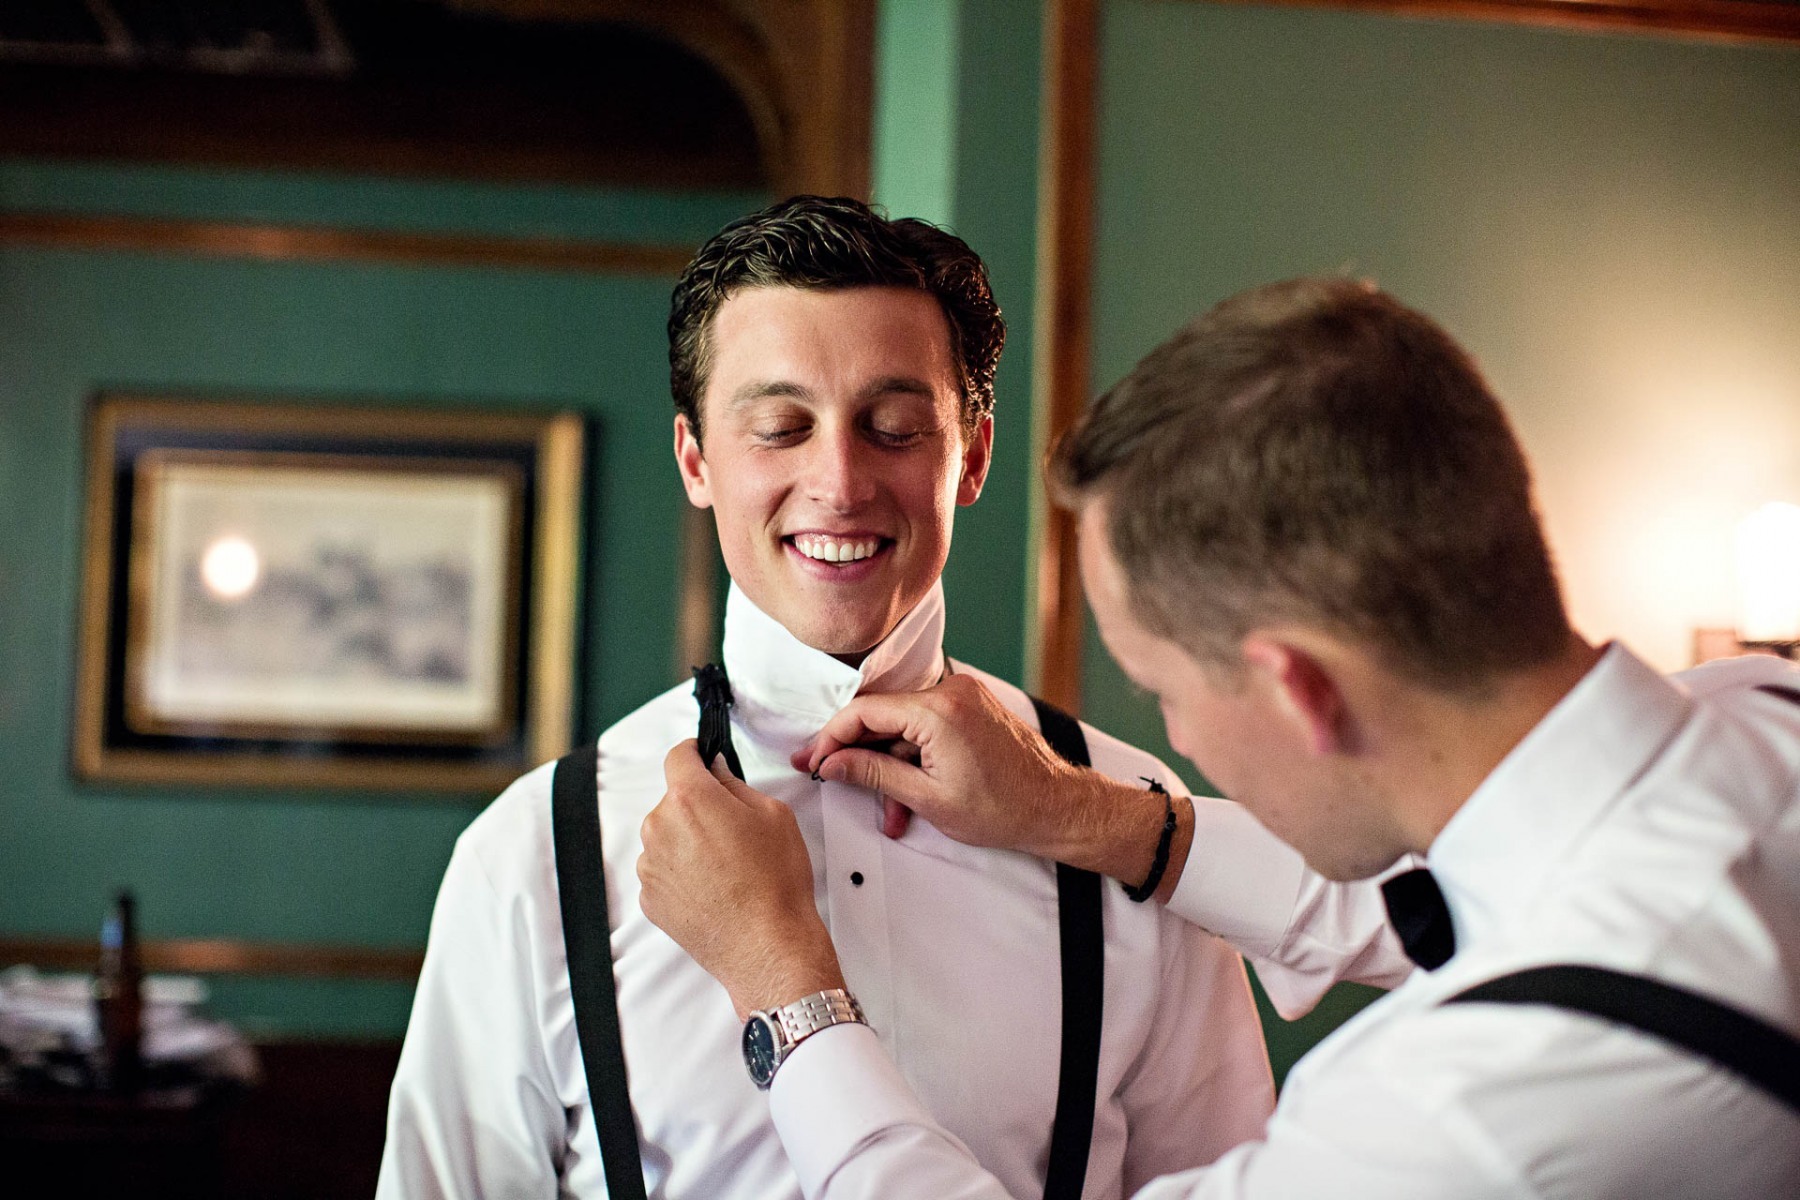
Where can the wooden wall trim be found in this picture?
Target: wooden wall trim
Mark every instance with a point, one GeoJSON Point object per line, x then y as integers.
{"type": "Point", "coordinates": [1727, 20]}
{"type": "Point", "coordinates": [226, 956]}
{"type": "Point", "coordinates": [304, 243]}
{"type": "Point", "coordinates": [1062, 334]}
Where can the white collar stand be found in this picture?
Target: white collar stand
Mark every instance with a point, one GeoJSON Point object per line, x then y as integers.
{"type": "Point", "coordinates": [1534, 808]}
{"type": "Point", "coordinates": [785, 690]}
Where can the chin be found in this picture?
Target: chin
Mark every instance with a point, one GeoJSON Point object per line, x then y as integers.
{"type": "Point", "coordinates": [1340, 867]}
{"type": "Point", "coordinates": [841, 637]}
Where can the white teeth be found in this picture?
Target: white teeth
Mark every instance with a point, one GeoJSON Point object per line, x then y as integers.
{"type": "Point", "coordinates": [831, 550]}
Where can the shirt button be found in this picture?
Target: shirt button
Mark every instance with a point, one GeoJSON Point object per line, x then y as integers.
{"type": "Point", "coordinates": [856, 878]}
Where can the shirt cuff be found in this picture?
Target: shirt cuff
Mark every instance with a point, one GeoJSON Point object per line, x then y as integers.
{"type": "Point", "coordinates": [836, 1091]}
{"type": "Point", "coordinates": [1241, 882]}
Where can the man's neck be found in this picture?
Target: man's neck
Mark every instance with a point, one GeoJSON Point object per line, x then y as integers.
{"type": "Point", "coordinates": [771, 666]}
{"type": "Point", "coordinates": [1451, 745]}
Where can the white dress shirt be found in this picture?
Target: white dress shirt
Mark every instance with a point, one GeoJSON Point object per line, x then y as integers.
{"type": "Point", "coordinates": [952, 951]}
{"type": "Point", "coordinates": [1647, 825]}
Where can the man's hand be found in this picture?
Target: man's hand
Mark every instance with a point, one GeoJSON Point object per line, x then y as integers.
{"type": "Point", "coordinates": [954, 755]}
{"type": "Point", "coordinates": [725, 873]}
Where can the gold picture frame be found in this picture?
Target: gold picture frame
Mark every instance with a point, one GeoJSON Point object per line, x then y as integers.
{"type": "Point", "coordinates": [285, 595]}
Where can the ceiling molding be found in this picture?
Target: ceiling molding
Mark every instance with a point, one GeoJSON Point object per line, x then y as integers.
{"type": "Point", "coordinates": [1718, 20]}
{"type": "Point", "coordinates": [305, 243]}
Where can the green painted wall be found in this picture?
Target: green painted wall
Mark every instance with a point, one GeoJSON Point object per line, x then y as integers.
{"type": "Point", "coordinates": [325, 867]}
{"type": "Point", "coordinates": [1612, 223]}
{"type": "Point", "coordinates": [956, 144]}
{"type": "Point", "coordinates": [918, 101]}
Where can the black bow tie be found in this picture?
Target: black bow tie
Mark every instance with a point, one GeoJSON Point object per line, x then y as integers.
{"type": "Point", "coordinates": [1418, 913]}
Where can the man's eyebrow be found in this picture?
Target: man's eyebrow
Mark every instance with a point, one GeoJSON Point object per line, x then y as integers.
{"type": "Point", "coordinates": [888, 385]}
{"type": "Point", "coordinates": [903, 384]}
{"type": "Point", "coordinates": [762, 389]}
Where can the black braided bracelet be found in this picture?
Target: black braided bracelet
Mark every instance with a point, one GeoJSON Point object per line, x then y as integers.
{"type": "Point", "coordinates": [1159, 864]}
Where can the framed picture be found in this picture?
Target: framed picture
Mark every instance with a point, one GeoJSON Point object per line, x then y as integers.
{"type": "Point", "coordinates": [320, 596]}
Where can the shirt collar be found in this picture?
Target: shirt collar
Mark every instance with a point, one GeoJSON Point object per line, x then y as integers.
{"type": "Point", "coordinates": [1533, 810]}
{"type": "Point", "coordinates": [785, 690]}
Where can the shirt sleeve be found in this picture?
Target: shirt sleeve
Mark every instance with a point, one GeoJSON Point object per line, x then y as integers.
{"type": "Point", "coordinates": [1357, 1137]}
{"type": "Point", "coordinates": [473, 1111]}
{"type": "Point", "coordinates": [854, 1131]}
{"type": "Point", "coordinates": [1303, 931]}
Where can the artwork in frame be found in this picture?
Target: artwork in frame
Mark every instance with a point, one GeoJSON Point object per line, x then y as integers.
{"type": "Point", "coordinates": [321, 596]}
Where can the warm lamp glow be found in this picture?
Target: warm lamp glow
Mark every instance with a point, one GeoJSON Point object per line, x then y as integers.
{"type": "Point", "coordinates": [1768, 554]}
{"type": "Point", "coordinates": [230, 568]}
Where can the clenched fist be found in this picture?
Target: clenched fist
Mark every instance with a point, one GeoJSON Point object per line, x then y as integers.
{"type": "Point", "coordinates": [725, 873]}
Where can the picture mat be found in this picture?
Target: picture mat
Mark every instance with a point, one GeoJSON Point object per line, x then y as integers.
{"type": "Point", "coordinates": [382, 602]}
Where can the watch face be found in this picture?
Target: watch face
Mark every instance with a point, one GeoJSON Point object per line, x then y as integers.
{"type": "Point", "coordinates": [759, 1050]}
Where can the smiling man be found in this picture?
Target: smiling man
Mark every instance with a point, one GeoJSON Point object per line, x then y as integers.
{"type": "Point", "coordinates": [833, 380]}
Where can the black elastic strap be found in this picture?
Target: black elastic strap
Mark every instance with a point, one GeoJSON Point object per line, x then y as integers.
{"type": "Point", "coordinates": [1083, 990]}
{"type": "Point", "coordinates": [587, 942]}
{"type": "Point", "coordinates": [1749, 1046]}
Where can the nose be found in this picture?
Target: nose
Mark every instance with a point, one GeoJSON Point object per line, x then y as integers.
{"type": "Point", "coordinates": [839, 473]}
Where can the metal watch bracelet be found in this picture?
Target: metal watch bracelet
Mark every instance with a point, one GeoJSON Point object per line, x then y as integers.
{"type": "Point", "coordinates": [821, 1010]}
{"type": "Point", "coordinates": [771, 1035]}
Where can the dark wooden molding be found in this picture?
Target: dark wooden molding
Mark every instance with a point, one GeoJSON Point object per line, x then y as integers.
{"type": "Point", "coordinates": [304, 243]}
{"type": "Point", "coordinates": [1062, 335]}
{"type": "Point", "coordinates": [226, 956]}
{"type": "Point", "coordinates": [446, 92]}
{"type": "Point", "coordinates": [772, 95]}
{"type": "Point", "coordinates": [1727, 20]}
{"type": "Point", "coordinates": [805, 69]}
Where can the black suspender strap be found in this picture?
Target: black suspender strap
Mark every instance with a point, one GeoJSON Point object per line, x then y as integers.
{"type": "Point", "coordinates": [1786, 693]}
{"type": "Point", "coordinates": [587, 942]}
{"type": "Point", "coordinates": [587, 931]}
{"type": "Point", "coordinates": [581, 887]}
{"type": "Point", "coordinates": [1083, 988]}
{"type": "Point", "coordinates": [1749, 1046]}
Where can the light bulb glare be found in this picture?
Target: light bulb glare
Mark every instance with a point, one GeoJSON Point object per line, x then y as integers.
{"type": "Point", "coordinates": [1768, 561]}
{"type": "Point", "coordinates": [230, 568]}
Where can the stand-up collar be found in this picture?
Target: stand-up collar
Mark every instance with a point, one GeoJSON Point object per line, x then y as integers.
{"type": "Point", "coordinates": [1534, 808]}
{"type": "Point", "coordinates": [784, 688]}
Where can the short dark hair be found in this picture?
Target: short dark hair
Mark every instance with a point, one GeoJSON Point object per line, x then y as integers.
{"type": "Point", "coordinates": [1314, 451]}
{"type": "Point", "coordinates": [830, 243]}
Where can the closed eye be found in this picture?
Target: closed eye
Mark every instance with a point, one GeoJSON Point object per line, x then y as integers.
{"type": "Point", "coordinates": [896, 438]}
{"type": "Point", "coordinates": [779, 434]}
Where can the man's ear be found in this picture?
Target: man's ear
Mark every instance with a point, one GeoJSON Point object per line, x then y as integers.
{"type": "Point", "coordinates": [1302, 689]}
{"type": "Point", "coordinates": [978, 456]}
{"type": "Point", "coordinates": [692, 464]}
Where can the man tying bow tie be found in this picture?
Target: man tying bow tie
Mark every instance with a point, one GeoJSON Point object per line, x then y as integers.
{"type": "Point", "coordinates": [1307, 528]}
{"type": "Point", "coordinates": [833, 373]}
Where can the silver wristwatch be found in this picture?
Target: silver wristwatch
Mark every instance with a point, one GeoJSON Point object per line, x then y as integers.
{"type": "Point", "coordinates": [769, 1037]}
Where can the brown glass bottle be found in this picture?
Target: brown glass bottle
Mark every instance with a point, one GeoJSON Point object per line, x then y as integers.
{"type": "Point", "coordinates": [119, 998]}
